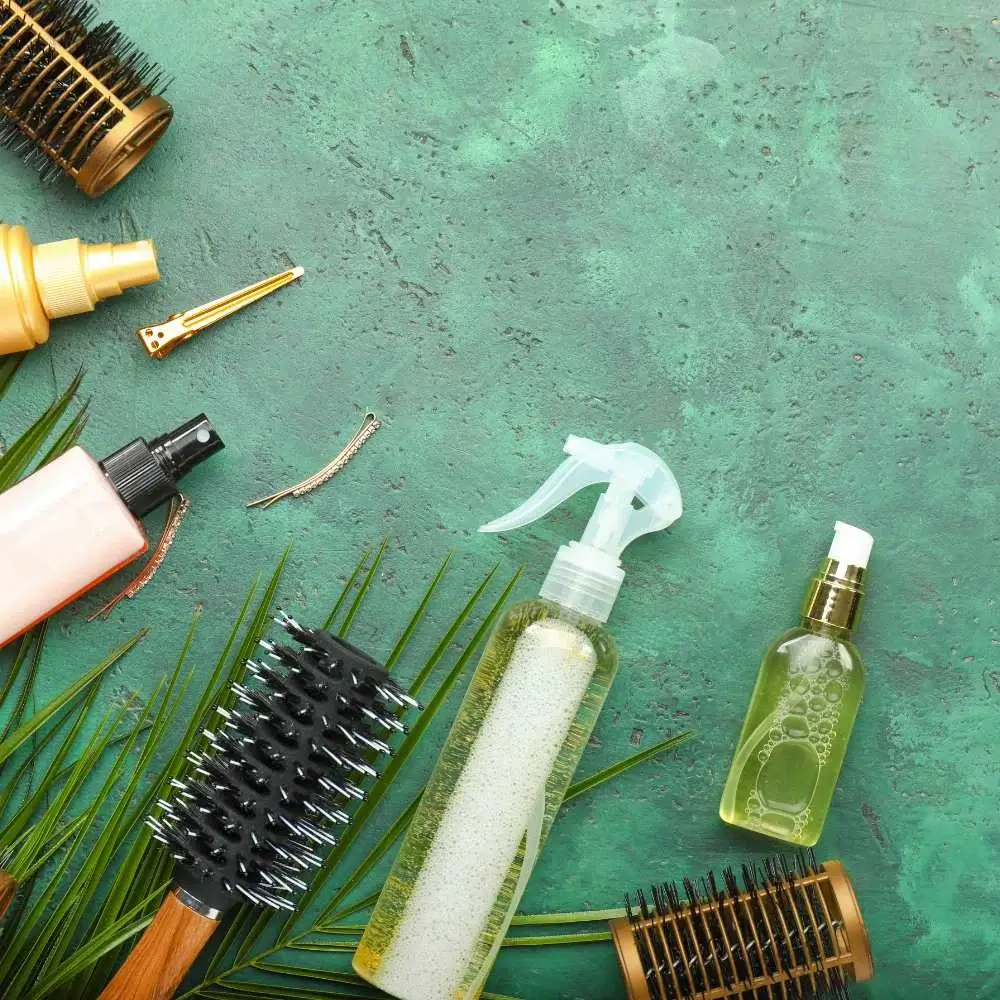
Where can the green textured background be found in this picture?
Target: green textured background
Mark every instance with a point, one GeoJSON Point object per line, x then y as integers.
{"type": "Point", "coordinates": [761, 238]}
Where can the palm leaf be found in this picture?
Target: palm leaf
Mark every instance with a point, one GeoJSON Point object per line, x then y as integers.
{"type": "Point", "coordinates": [34, 644]}
{"type": "Point", "coordinates": [86, 957]}
{"type": "Point", "coordinates": [19, 786]}
{"type": "Point", "coordinates": [20, 455]}
{"type": "Point", "coordinates": [28, 849]}
{"type": "Point", "coordinates": [25, 941]}
{"type": "Point", "coordinates": [76, 834]}
{"type": "Point", "coordinates": [362, 593]}
{"type": "Point", "coordinates": [23, 652]}
{"type": "Point", "coordinates": [548, 940]}
{"type": "Point", "coordinates": [69, 436]}
{"type": "Point", "coordinates": [24, 732]}
{"type": "Point", "coordinates": [347, 589]}
{"type": "Point", "coordinates": [8, 369]}
{"type": "Point", "coordinates": [609, 773]}
{"type": "Point", "coordinates": [418, 616]}
{"type": "Point", "coordinates": [573, 917]}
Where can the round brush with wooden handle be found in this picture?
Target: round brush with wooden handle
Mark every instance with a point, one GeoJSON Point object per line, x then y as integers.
{"type": "Point", "coordinates": [250, 820]}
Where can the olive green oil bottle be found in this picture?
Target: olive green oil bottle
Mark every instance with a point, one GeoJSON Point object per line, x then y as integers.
{"type": "Point", "coordinates": [807, 696]}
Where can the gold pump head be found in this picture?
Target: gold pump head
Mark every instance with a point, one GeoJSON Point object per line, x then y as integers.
{"type": "Point", "coordinates": [46, 282]}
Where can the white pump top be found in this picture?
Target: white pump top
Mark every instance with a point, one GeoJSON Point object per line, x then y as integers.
{"type": "Point", "coordinates": [587, 575]}
{"type": "Point", "coordinates": [851, 545]}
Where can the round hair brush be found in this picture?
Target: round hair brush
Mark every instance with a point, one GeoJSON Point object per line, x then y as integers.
{"type": "Point", "coordinates": [76, 98]}
{"type": "Point", "coordinates": [260, 804]}
{"type": "Point", "coordinates": [793, 932]}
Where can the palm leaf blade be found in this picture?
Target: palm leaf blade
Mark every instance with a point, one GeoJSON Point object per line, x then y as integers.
{"type": "Point", "coordinates": [20, 455]}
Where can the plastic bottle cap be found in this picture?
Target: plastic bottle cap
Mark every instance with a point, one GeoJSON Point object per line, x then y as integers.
{"type": "Point", "coordinates": [584, 579]}
{"type": "Point", "coordinates": [72, 276]}
{"type": "Point", "coordinates": [851, 545]}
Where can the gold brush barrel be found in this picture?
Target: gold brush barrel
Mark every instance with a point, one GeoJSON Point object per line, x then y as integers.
{"type": "Point", "coordinates": [77, 100]}
{"type": "Point", "coordinates": [793, 929]}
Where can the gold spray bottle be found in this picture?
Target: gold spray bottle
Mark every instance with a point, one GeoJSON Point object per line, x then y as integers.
{"type": "Point", "coordinates": [46, 282]}
{"type": "Point", "coordinates": [807, 697]}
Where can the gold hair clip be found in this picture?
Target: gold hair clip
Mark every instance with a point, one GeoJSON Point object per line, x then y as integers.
{"type": "Point", "coordinates": [368, 427]}
{"type": "Point", "coordinates": [161, 339]}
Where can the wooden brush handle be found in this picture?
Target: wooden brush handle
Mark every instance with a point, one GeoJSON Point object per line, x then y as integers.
{"type": "Point", "coordinates": [8, 886]}
{"type": "Point", "coordinates": [162, 958]}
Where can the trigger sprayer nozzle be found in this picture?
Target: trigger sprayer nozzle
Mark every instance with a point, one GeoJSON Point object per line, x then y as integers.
{"type": "Point", "coordinates": [586, 576]}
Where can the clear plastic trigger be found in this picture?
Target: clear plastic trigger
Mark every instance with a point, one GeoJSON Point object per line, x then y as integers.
{"type": "Point", "coordinates": [642, 497]}
{"type": "Point", "coordinates": [571, 477]}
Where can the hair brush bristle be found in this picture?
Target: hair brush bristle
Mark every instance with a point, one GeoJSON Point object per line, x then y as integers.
{"type": "Point", "coordinates": [278, 774]}
{"type": "Point", "coordinates": [66, 87]}
{"type": "Point", "coordinates": [778, 936]}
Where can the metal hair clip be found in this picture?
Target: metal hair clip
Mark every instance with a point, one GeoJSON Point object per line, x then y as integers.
{"type": "Point", "coordinates": [161, 339]}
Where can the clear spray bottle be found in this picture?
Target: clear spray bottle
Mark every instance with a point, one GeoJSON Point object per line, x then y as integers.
{"type": "Point", "coordinates": [529, 712]}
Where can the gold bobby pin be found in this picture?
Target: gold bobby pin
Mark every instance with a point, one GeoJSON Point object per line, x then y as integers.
{"type": "Point", "coordinates": [179, 506]}
{"type": "Point", "coordinates": [368, 427]}
{"type": "Point", "coordinates": [160, 340]}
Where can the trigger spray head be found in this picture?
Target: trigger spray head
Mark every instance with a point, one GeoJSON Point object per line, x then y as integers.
{"type": "Point", "coordinates": [642, 497]}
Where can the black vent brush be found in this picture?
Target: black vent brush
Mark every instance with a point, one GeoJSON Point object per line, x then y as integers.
{"type": "Point", "coordinates": [792, 931]}
{"type": "Point", "coordinates": [261, 803]}
{"type": "Point", "coordinates": [76, 98]}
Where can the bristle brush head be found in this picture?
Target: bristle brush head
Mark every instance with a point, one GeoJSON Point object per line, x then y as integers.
{"type": "Point", "coordinates": [76, 99]}
{"type": "Point", "coordinates": [279, 772]}
{"type": "Point", "coordinates": [791, 931]}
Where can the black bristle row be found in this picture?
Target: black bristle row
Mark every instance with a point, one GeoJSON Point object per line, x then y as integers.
{"type": "Point", "coordinates": [770, 929]}
{"type": "Point", "coordinates": [54, 115]}
{"type": "Point", "coordinates": [280, 770]}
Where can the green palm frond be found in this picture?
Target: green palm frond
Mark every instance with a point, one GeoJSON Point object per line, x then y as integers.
{"type": "Point", "coordinates": [9, 365]}
{"type": "Point", "coordinates": [26, 452]}
{"type": "Point", "coordinates": [77, 782]}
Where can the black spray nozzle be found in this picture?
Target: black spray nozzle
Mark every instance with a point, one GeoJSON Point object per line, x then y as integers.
{"type": "Point", "coordinates": [145, 475]}
{"type": "Point", "coordinates": [181, 450]}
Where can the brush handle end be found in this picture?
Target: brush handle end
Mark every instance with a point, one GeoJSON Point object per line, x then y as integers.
{"type": "Point", "coordinates": [164, 955]}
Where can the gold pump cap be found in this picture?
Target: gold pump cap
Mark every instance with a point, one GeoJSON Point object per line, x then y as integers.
{"type": "Point", "coordinates": [52, 280]}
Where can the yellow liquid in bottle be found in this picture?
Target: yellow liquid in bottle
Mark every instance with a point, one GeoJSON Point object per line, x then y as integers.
{"type": "Point", "coordinates": [489, 805]}
{"type": "Point", "coordinates": [795, 736]}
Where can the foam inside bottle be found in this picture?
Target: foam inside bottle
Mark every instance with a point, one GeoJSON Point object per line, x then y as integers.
{"type": "Point", "coordinates": [482, 827]}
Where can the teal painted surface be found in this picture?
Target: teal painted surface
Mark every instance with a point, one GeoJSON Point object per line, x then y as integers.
{"type": "Point", "coordinates": [763, 239]}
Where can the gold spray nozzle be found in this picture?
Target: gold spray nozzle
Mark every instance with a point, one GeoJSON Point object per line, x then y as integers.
{"type": "Point", "coordinates": [52, 280]}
